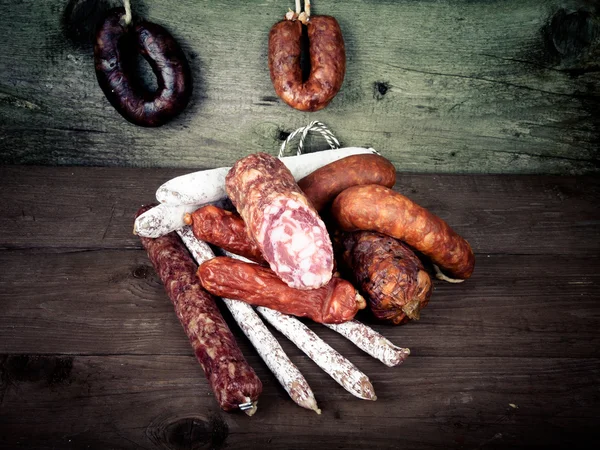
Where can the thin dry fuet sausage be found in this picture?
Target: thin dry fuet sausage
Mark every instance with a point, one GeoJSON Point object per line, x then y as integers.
{"type": "Point", "coordinates": [327, 358]}
{"type": "Point", "coordinates": [324, 184]}
{"type": "Point", "coordinates": [231, 378]}
{"type": "Point", "coordinates": [280, 219]}
{"type": "Point", "coordinates": [327, 62]}
{"type": "Point", "coordinates": [263, 341]}
{"type": "Point", "coordinates": [377, 208]}
{"type": "Point", "coordinates": [115, 52]}
{"type": "Point", "coordinates": [336, 302]}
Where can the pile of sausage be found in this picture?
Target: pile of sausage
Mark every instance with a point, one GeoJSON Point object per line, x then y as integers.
{"type": "Point", "coordinates": [336, 241]}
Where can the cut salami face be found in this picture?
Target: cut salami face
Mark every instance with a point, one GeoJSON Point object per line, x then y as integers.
{"type": "Point", "coordinates": [281, 221]}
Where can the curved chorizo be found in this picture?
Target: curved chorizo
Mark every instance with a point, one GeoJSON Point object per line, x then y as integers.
{"type": "Point", "coordinates": [377, 208]}
{"type": "Point", "coordinates": [327, 62]}
{"type": "Point", "coordinates": [324, 184]}
{"type": "Point", "coordinates": [337, 301]}
{"type": "Point", "coordinates": [116, 44]}
{"type": "Point", "coordinates": [224, 229]}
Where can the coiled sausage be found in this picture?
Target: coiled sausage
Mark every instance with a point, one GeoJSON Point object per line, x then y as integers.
{"type": "Point", "coordinates": [115, 48]}
{"type": "Point", "coordinates": [327, 62]}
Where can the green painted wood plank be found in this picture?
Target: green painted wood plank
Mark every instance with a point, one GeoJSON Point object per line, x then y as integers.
{"type": "Point", "coordinates": [461, 86]}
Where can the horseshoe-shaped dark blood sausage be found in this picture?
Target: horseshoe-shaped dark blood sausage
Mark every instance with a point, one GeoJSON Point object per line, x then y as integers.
{"type": "Point", "coordinates": [327, 61]}
{"type": "Point", "coordinates": [116, 43]}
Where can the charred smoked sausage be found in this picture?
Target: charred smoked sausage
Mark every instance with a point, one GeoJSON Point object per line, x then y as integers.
{"type": "Point", "coordinates": [336, 302]}
{"type": "Point", "coordinates": [327, 62]}
{"type": "Point", "coordinates": [281, 221]}
{"type": "Point", "coordinates": [386, 272]}
{"type": "Point", "coordinates": [232, 379]}
{"type": "Point", "coordinates": [324, 184]}
{"type": "Point", "coordinates": [114, 53]}
{"type": "Point", "coordinates": [224, 229]}
{"type": "Point", "coordinates": [377, 208]}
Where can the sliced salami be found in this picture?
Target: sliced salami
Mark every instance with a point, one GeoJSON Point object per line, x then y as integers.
{"type": "Point", "coordinates": [282, 222]}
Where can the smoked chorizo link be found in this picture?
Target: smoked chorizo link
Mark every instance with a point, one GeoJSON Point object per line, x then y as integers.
{"type": "Point", "coordinates": [324, 184]}
{"type": "Point", "coordinates": [377, 208]}
{"type": "Point", "coordinates": [335, 302]}
{"type": "Point", "coordinates": [387, 272]}
{"type": "Point", "coordinates": [232, 379]}
{"type": "Point", "coordinates": [281, 221]}
{"type": "Point", "coordinates": [114, 50]}
{"type": "Point", "coordinates": [327, 60]}
{"type": "Point", "coordinates": [224, 229]}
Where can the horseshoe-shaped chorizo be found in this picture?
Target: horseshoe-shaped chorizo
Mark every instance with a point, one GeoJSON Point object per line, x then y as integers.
{"type": "Point", "coordinates": [115, 43]}
{"type": "Point", "coordinates": [327, 61]}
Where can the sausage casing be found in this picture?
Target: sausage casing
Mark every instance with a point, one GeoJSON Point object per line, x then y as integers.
{"type": "Point", "coordinates": [232, 379]}
{"type": "Point", "coordinates": [327, 61]}
{"type": "Point", "coordinates": [324, 184]}
{"type": "Point", "coordinates": [281, 220]}
{"type": "Point", "coordinates": [377, 208]}
{"type": "Point", "coordinates": [114, 54]}
{"type": "Point", "coordinates": [336, 302]}
{"type": "Point", "coordinates": [386, 272]}
{"type": "Point", "coordinates": [225, 229]}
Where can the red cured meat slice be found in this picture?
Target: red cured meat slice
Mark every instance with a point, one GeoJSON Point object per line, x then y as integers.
{"type": "Point", "coordinates": [281, 221]}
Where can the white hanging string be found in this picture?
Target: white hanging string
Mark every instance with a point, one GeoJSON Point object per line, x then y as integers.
{"type": "Point", "coordinates": [127, 5]}
{"type": "Point", "coordinates": [313, 126]}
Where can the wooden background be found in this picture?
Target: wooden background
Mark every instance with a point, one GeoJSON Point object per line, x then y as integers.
{"type": "Point", "coordinates": [506, 86]}
{"type": "Point", "coordinates": [91, 354]}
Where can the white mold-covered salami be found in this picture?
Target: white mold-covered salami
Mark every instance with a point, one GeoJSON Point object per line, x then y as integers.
{"type": "Point", "coordinates": [371, 342]}
{"type": "Point", "coordinates": [206, 186]}
{"type": "Point", "coordinates": [163, 218]}
{"type": "Point", "coordinates": [253, 327]}
{"type": "Point", "coordinates": [281, 221]}
{"type": "Point", "coordinates": [328, 359]}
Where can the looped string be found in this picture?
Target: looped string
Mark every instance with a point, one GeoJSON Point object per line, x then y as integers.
{"type": "Point", "coordinates": [314, 126]}
{"type": "Point", "coordinates": [127, 5]}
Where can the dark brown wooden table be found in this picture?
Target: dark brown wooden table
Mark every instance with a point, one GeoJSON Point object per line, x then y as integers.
{"type": "Point", "coordinates": [92, 354]}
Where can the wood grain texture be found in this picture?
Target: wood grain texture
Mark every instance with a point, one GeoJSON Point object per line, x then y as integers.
{"type": "Point", "coordinates": [112, 302]}
{"type": "Point", "coordinates": [461, 86]}
{"type": "Point", "coordinates": [162, 402]}
{"type": "Point", "coordinates": [92, 355]}
{"type": "Point", "coordinates": [497, 215]}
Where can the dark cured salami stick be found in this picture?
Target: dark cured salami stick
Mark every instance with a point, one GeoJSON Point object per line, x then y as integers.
{"type": "Point", "coordinates": [336, 302]}
{"type": "Point", "coordinates": [281, 221]}
{"type": "Point", "coordinates": [386, 272]}
{"type": "Point", "coordinates": [327, 60]}
{"type": "Point", "coordinates": [377, 208]}
{"type": "Point", "coordinates": [324, 184]}
{"type": "Point", "coordinates": [231, 378]}
{"type": "Point", "coordinates": [224, 229]}
{"type": "Point", "coordinates": [115, 47]}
